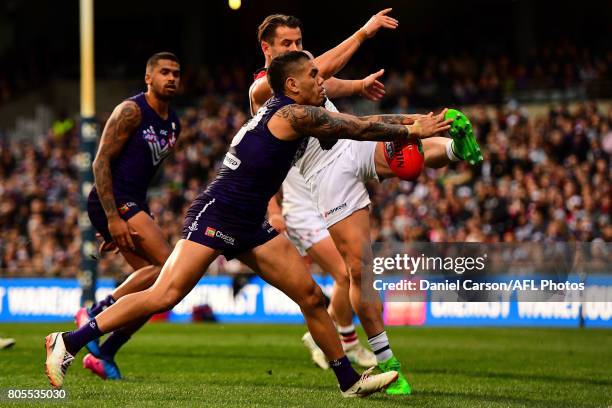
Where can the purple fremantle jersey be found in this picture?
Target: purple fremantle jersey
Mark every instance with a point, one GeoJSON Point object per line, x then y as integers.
{"type": "Point", "coordinates": [146, 148]}
{"type": "Point", "coordinates": [255, 166]}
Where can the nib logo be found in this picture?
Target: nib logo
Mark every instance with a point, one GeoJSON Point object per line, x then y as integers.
{"type": "Point", "coordinates": [210, 232]}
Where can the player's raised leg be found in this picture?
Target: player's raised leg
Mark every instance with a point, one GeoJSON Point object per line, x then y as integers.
{"type": "Point", "coordinates": [289, 274]}
{"type": "Point", "coordinates": [351, 236]}
{"type": "Point", "coordinates": [181, 272]}
{"type": "Point", "coordinates": [325, 254]}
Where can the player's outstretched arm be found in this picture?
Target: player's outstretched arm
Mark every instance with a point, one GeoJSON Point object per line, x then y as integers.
{"type": "Point", "coordinates": [335, 59]}
{"type": "Point", "coordinates": [322, 124]}
{"type": "Point", "coordinates": [403, 119]}
{"type": "Point", "coordinates": [122, 122]}
{"type": "Point", "coordinates": [369, 87]}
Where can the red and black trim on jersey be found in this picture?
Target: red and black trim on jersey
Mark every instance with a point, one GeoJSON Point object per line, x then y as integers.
{"type": "Point", "coordinates": [260, 73]}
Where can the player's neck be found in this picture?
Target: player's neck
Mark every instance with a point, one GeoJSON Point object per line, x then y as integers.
{"type": "Point", "coordinates": [159, 106]}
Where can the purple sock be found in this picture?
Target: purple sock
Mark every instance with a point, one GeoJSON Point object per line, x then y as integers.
{"type": "Point", "coordinates": [346, 374]}
{"type": "Point", "coordinates": [111, 346]}
{"type": "Point", "coordinates": [101, 305]}
{"type": "Point", "coordinates": [77, 339]}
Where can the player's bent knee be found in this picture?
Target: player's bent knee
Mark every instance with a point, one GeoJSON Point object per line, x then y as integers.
{"type": "Point", "coordinates": [355, 268]}
{"type": "Point", "coordinates": [312, 299]}
{"type": "Point", "coordinates": [342, 280]}
{"type": "Point", "coordinates": [166, 301]}
{"type": "Point", "coordinates": [160, 257]}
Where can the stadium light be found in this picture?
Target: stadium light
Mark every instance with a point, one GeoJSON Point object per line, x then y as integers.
{"type": "Point", "coordinates": [234, 4]}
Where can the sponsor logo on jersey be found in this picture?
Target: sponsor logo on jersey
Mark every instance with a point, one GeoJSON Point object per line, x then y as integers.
{"type": "Point", "coordinates": [214, 233]}
{"type": "Point", "coordinates": [210, 232]}
{"type": "Point", "coordinates": [193, 226]}
{"type": "Point", "coordinates": [333, 210]}
{"type": "Point", "coordinates": [125, 207]}
{"type": "Point", "coordinates": [231, 161]}
{"type": "Point", "coordinates": [226, 238]}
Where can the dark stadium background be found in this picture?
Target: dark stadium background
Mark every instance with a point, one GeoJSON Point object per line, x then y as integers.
{"type": "Point", "coordinates": [38, 47]}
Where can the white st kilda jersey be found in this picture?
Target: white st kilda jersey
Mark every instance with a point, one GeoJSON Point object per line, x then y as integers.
{"type": "Point", "coordinates": [319, 154]}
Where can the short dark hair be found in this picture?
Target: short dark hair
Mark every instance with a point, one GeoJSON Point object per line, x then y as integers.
{"type": "Point", "coordinates": [267, 29]}
{"type": "Point", "coordinates": [155, 58]}
{"type": "Point", "coordinates": [282, 67]}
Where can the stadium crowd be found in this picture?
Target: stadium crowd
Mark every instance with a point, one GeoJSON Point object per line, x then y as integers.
{"type": "Point", "coordinates": [545, 177]}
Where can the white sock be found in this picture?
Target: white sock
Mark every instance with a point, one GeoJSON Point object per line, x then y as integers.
{"type": "Point", "coordinates": [380, 347]}
{"type": "Point", "coordinates": [348, 336]}
{"type": "Point", "coordinates": [449, 151]}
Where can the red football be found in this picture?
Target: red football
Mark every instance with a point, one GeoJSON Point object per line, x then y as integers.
{"type": "Point", "coordinates": [405, 159]}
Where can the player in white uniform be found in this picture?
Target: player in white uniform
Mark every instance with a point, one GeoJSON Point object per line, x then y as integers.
{"type": "Point", "coordinates": [336, 177]}
{"type": "Point", "coordinates": [299, 217]}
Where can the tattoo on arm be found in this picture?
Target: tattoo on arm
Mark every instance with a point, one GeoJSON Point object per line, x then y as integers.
{"type": "Point", "coordinates": [122, 122]}
{"type": "Point", "coordinates": [322, 124]}
{"type": "Point", "coordinates": [398, 119]}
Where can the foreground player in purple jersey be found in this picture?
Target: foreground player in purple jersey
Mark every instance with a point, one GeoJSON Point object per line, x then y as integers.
{"type": "Point", "coordinates": [229, 218]}
{"type": "Point", "coordinates": [139, 134]}
{"type": "Point", "coordinates": [297, 215]}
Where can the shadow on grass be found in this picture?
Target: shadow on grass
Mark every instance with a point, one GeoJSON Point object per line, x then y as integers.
{"type": "Point", "coordinates": [515, 376]}
{"type": "Point", "coordinates": [492, 399]}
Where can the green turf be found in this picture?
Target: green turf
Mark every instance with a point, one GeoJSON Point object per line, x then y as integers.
{"type": "Point", "coordinates": [261, 365]}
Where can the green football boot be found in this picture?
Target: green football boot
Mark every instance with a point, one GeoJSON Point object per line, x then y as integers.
{"type": "Point", "coordinates": [400, 386]}
{"type": "Point", "coordinates": [464, 145]}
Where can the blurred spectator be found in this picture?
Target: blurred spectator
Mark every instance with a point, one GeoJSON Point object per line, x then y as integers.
{"type": "Point", "coordinates": [544, 178]}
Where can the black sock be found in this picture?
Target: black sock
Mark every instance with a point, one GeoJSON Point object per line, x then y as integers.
{"type": "Point", "coordinates": [109, 348]}
{"type": "Point", "coordinates": [346, 374]}
{"type": "Point", "coordinates": [77, 339]}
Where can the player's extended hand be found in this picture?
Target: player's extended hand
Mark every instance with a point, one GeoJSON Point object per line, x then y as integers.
{"type": "Point", "coordinates": [371, 88]}
{"type": "Point", "coordinates": [428, 125]}
{"type": "Point", "coordinates": [277, 221]}
{"type": "Point", "coordinates": [122, 234]}
{"type": "Point", "coordinates": [440, 116]}
{"type": "Point", "coordinates": [378, 21]}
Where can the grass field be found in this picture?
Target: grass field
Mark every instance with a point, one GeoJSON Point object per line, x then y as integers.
{"type": "Point", "coordinates": [265, 365]}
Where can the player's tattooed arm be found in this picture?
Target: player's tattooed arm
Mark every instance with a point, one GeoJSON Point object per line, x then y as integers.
{"type": "Point", "coordinates": [402, 119]}
{"type": "Point", "coordinates": [122, 122]}
{"type": "Point", "coordinates": [322, 124]}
